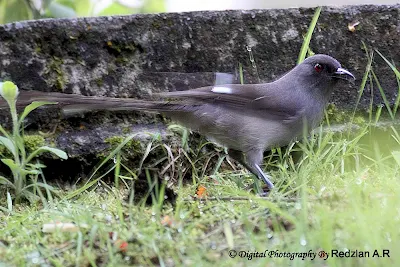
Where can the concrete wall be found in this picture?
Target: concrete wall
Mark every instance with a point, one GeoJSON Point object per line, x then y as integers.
{"type": "Point", "coordinates": [193, 5]}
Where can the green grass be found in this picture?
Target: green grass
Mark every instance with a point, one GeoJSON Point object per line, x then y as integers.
{"type": "Point", "coordinates": [15, 155]}
{"type": "Point", "coordinates": [305, 48]}
{"type": "Point", "coordinates": [340, 194]}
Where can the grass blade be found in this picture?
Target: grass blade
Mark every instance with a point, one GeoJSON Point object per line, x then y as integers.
{"type": "Point", "coordinates": [383, 95]}
{"type": "Point", "coordinates": [364, 80]}
{"type": "Point", "coordinates": [305, 46]}
{"type": "Point", "coordinates": [392, 66]}
{"type": "Point", "coordinates": [9, 202]}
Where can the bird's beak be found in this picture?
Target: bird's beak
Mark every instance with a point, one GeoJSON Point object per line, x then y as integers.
{"type": "Point", "coordinates": [344, 74]}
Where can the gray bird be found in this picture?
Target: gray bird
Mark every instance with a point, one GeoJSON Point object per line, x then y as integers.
{"type": "Point", "coordinates": [247, 119]}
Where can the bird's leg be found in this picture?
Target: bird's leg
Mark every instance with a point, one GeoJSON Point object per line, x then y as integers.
{"type": "Point", "coordinates": [254, 158]}
{"type": "Point", "coordinates": [239, 157]}
{"type": "Point", "coordinates": [263, 176]}
{"type": "Point", "coordinates": [251, 162]}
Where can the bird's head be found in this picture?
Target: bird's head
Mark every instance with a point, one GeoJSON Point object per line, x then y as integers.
{"type": "Point", "coordinates": [321, 71]}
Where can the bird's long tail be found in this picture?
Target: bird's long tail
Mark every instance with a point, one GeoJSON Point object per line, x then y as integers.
{"type": "Point", "coordinates": [72, 103]}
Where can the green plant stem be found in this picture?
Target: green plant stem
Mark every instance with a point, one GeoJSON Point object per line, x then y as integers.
{"type": "Point", "coordinates": [18, 176]}
{"type": "Point", "coordinates": [305, 46]}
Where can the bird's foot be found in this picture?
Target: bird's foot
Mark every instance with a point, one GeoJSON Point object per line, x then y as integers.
{"type": "Point", "coordinates": [264, 177]}
{"type": "Point", "coordinates": [262, 191]}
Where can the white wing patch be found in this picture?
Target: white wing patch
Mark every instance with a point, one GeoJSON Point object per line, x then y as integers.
{"type": "Point", "coordinates": [221, 90]}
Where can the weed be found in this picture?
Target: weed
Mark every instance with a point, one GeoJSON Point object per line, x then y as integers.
{"type": "Point", "coordinates": [24, 170]}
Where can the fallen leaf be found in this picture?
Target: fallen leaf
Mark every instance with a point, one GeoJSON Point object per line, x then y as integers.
{"type": "Point", "coordinates": [201, 191]}
{"type": "Point", "coordinates": [352, 26]}
{"type": "Point", "coordinates": [122, 245]}
{"type": "Point", "coordinates": [167, 221]}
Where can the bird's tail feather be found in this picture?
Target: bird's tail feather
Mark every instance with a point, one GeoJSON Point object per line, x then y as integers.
{"type": "Point", "coordinates": [72, 103]}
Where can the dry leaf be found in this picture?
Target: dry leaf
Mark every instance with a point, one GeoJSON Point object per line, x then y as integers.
{"type": "Point", "coordinates": [167, 221]}
{"type": "Point", "coordinates": [352, 26]}
{"type": "Point", "coordinates": [122, 245]}
{"type": "Point", "coordinates": [201, 191]}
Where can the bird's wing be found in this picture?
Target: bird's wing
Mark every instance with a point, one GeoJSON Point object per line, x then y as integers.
{"type": "Point", "coordinates": [262, 99]}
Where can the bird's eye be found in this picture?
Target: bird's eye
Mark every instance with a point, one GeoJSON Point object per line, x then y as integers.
{"type": "Point", "coordinates": [318, 67]}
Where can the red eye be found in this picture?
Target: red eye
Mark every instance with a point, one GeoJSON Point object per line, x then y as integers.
{"type": "Point", "coordinates": [318, 67]}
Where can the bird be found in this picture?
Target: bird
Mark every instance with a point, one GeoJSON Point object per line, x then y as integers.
{"type": "Point", "coordinates": [246, 119]}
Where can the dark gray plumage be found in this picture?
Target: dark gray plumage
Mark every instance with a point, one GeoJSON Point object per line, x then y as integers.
{"type": "Point", "coordinates": [247, 119]}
